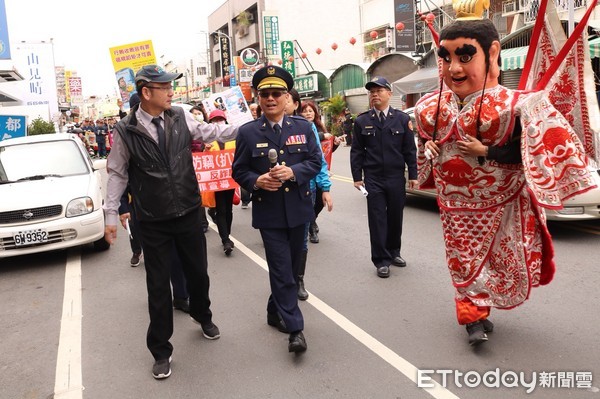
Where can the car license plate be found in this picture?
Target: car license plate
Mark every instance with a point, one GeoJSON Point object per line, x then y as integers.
{"type": "Point", "coordinates": [30, 237]}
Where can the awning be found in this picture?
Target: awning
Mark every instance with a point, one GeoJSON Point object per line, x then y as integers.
{"type": "Point", "coordinates": [422, 80]}
{"type": "Point", "coordinates": [514, 58]}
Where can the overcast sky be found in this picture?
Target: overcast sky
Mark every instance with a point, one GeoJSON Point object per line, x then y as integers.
{"type": "Point", "coordinates": [83, 32]}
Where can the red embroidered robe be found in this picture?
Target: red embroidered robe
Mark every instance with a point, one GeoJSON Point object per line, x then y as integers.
{"type": "Point", "coordinates": [497, 243]}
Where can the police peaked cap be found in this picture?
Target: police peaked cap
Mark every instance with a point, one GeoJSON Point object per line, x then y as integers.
{"type": "Point", "coordinates": [272, 77]}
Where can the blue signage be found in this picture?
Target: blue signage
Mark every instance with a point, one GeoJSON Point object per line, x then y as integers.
{"type": "Point", "coordinates": [4, 45]}
{"type": "Point", "coordinates": [232, 80]}
{"type": "Point", "coordinates": [12, 126]}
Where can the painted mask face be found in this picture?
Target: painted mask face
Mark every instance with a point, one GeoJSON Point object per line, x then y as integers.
{"type": "Point", "coordinates": [463, 66]}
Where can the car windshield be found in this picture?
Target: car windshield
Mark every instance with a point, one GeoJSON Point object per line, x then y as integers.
{"type": "Point", "coordinates": [31, 161]}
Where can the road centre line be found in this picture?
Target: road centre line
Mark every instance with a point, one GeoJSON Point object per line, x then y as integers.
{"type": "Point", "coordinates": [395, 360]}
{"type": "Point", "coordinates": [68, 381]}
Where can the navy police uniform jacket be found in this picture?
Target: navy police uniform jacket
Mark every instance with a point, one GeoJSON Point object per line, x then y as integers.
{"type": "Point", "coordinates": [383, 151]}
{"type": "Point", "coordinates": [296, 147]}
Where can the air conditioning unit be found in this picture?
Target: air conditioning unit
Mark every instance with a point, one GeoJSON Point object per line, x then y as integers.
{"type": "Point", "coordinates": [510, 7]}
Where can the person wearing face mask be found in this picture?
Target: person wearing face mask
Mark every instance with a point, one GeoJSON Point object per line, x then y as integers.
{"type": "Point", "coordinates": [198, 146]}
{"type": "Point", "coordinates": [222, 213]}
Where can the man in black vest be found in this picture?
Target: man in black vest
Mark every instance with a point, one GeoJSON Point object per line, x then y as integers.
{"type": "Point", "coordinates": [152, 151]}
{"type": "Point", "coordinates": [383, 146]}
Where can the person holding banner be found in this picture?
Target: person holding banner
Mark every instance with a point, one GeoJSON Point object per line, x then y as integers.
{"type": "Point", "coordinates": [152, 151]}
{"type": "Point", "coordinates": [223, 210]}
{"type": "Point", "coordinates": [383, 147]}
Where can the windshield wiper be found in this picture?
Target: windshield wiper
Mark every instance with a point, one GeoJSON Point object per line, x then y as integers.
{"type": "Point", "coordinates": [38, 177]}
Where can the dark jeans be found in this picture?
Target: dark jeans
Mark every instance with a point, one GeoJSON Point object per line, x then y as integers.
{"type": "Point", "coordinates": [135, 239]}
{"type": "Point", "coordinates": [224, 211]}
{"type": "Point", "coordinates": [245, 195]}
{"type": "Point", "coordinates": [101, 148]}
{"type": "Point", "coordinates": [158, 238]}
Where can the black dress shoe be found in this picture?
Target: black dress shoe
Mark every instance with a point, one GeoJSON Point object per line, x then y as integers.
{"type": "Point", "coordinates": [383, 271]}
{"type": "Point", "coordinates": [476, 333]}
{"type": "Point", "coordinates": [398, 261]}
{"type": "Point", "coordinates": [181, 304]}
{"type": "Point", "coordinates": [228, 248]}
{"type": "Point", "coordinates": [297, 342]}
{"type": "Point", "coordinates": [274, 320]}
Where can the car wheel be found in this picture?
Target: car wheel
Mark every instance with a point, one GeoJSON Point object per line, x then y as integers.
{"type": "Point", "coordinates": [101, 244]}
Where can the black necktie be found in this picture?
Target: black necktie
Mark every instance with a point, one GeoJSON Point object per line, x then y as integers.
{"type": "Point", "coordinates": [162, 140]}
{"type": "Point", "coordinates": [381, 117]}
{"type": "Point", "coordinates": [277, 128]}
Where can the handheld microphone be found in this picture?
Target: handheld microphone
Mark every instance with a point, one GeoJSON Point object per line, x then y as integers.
{"type": "Point", "coordinates": [272, 157]}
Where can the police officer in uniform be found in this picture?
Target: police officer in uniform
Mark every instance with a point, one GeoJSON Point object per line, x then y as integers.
{"type": "Point", "coordinates": [281, 195]}
{"type": "Point", "coordinates": [382, 147]}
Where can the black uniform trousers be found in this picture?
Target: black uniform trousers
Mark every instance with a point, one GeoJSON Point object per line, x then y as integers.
{"type": "Point", "coordinates": [282, 249]}
{"type": "Point", "coordinates": [385, 205]}
{"type": "Point", "coordinates": [158, 238]}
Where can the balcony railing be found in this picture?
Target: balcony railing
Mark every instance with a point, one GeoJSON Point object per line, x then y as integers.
{"type": "Point", "coordinates": [531, 8]}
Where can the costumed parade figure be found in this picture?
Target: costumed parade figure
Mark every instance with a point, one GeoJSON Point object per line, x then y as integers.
{"type": "Point", "coordinates": [497, 157]}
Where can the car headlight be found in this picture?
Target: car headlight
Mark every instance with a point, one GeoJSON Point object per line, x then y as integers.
{"type": "Point", "coordinates": [80, 206]}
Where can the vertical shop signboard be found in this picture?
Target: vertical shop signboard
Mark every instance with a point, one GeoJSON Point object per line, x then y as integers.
{"type": "Point", "coordinates": [271, 36]}
{"type": "Point", "coordinates": [404, 11]}
{"type": "Point", "coordinates": [287, 56]}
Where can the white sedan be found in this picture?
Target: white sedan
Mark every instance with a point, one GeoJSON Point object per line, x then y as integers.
{"type": "Point", "coordinates": [584, 206]}
{"type": "Point", "coordinates": [51, 195]}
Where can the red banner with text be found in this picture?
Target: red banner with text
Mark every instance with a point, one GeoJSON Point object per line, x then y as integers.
{"type": "Point", "coordinates": [213, 170]}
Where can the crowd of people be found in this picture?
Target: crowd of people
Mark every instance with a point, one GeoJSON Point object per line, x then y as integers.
{"type": "Point", "coordinates": [95, 135]}
{"type": "Point", "coordinates": [280, 166]}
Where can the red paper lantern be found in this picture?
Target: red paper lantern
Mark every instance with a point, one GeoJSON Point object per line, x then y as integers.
{"type": "Point", "coordinates": [280, 61]}
{"type": "Point", "coordinates": [303, 55]}
{"type": "Point", "coordinates": [373, 34]}
{"type": "Point", "coordinates": [291, 58]}
{"type": "Point", "coordinates": [334, 46]}
{"type": "Point", "coordinates": [400, 26]}
{"type": "Point", "coordinates": [352, 41]}
{"type": "Point", "coordinates": [423, 17]}
{"type": "Point", "coordinates": [318, 51]}
{"type": "Point", "coordinates": [430, 17]}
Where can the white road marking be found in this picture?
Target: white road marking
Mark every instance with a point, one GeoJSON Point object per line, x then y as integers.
{"type": "Point", "coordinates": [68, 382]}
{"type": "Point", "coordinates": [395, 360]}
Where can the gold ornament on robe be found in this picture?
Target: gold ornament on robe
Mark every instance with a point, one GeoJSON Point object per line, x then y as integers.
{"type": "Point", "coordinates": [470, 9]}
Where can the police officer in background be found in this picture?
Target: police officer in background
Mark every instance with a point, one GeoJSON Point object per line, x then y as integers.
{"type": "Point", "coordinates": [281, 196]}
{"type": "Point", "coordinates": [383, 146]}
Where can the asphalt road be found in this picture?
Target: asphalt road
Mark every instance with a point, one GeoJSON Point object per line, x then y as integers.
{"type": "Point", "coordinates": [74, 323]}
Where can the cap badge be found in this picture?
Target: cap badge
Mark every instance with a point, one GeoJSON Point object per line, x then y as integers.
{"type": "Point", "coordinates": [270, 71]}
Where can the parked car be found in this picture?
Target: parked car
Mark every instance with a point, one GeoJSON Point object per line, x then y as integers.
{"type": "Point", "coordinates": [584, 206]}
{"type": "Point", "coordinates": [51, 195]}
